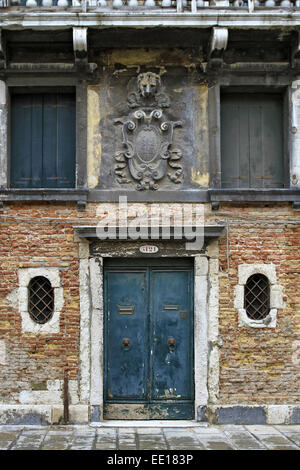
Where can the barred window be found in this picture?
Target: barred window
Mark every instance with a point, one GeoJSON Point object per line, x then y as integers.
{"type": "Point", "coordinates": [257, 297]}
{"type": "Point", "coordinates": [40, 299]}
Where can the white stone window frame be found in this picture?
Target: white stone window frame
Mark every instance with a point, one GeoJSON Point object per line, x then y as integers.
{"type": "Point", "coordinates": [28, 324]}
{"type": "Point", "coordinates": [276, 295]}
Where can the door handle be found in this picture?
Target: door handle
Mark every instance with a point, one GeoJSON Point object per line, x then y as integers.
{"type": "Point", "coordinates": [126, 342]}
{"type": "Point", "coordinates": [172, 344]}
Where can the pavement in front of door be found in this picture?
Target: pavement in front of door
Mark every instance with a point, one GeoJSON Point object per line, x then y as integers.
{"type": "Point", "coordinates": [157, 437]}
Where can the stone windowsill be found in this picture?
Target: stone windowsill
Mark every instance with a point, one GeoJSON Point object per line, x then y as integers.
{"type": "Point", "coordinates": [255, 195]}
{"type": "Point", "coordinates": [53, 195]}
{"type": "Point", "coordinates": [213, 195]}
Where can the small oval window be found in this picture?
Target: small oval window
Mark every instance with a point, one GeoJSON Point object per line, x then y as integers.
{"type": "Point", "coordinates": [40, 299]}
{"type": "Point", "coordinates": [257, 297]}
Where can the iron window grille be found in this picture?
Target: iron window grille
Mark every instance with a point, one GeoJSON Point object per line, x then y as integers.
{"type": "Point", "coordinates": [257, 297]}
{"type": "Point", "coordinates": [41, 299]}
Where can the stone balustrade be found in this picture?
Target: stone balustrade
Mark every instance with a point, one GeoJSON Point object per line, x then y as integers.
{"type": "Point", "coordinates": [175, 5]}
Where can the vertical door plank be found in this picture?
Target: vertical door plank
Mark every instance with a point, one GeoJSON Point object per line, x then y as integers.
{"type": "Point", "coordinates": [244, 146]}
{"type": "Point", "coordinates": [229, 144]}
{"type": "Point", "coordinates": [37, 140]}
{"type": "Point", "coordinates": [66, 148]}
{"type": "Point", "coordinates": [50, 141]}
{"type": "Point", "coordinates": [273, 144]}
{"type": "Point", "coordinates": [21, 141]}
{"type": "Point", "coordinates": [256, 154]}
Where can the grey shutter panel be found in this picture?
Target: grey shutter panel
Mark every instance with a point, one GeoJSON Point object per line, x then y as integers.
{"type": "Point", "coordinates": [43, 140]}
{"type": "Point", "coordinates": [252, 141]}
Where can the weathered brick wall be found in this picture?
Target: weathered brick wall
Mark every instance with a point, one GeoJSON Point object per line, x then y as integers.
{"type": "Point", "coordinates": [37, 235]}
{"type": "Point", "coordinates": [256, 365]}
{"type": "Point", "coordinates": [260, 365]}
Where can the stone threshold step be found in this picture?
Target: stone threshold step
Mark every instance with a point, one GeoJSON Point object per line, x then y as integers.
{"type": "Point", "coordinates": [148, 424]}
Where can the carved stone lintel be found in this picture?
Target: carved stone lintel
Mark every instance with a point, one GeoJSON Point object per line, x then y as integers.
{"type": "Point", "coordinates": [80, 44]}
{"type": "Point", "coordinates": [217, 45]}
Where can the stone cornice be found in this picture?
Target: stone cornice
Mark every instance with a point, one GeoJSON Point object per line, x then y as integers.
{"type": "Point", "coordinates": [205, 18]}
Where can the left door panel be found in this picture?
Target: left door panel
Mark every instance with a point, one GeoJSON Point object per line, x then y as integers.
{"type": "Point", "coordinates": [126, 345]}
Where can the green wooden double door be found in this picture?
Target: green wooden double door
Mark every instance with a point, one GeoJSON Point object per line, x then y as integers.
{"type": "Point", "coordinates": [149, 340]}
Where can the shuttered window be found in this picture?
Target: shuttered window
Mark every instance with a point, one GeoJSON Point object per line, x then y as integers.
{"type": "Point", "coordinates": [43, 140]}
{"type": "Point", "coordinates": [252, 140]}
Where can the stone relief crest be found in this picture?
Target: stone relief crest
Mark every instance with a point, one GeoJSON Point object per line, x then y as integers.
{"type": "Point", "coordinates": [147, 152]}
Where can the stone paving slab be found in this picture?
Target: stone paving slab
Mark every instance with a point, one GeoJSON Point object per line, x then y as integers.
{"type": "Point", "coordinates": [86, 437]}
{"type": "Point", "coordinates": [243, 440]}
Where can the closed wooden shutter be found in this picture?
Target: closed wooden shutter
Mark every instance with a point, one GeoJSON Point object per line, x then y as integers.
{"type": "Point", "coordinates": [252, 141]}
{"type": "Point", "coordinates": [43, 140]}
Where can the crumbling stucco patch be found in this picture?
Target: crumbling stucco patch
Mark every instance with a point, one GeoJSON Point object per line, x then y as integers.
{"type": "Point", "coordinates": [94, 148]}
{"type": "Point", "coordinates": [3, 353]}
{"type": "Point", "coordinates": [13, 298]}
{"type": "Point", "coordinates": [200, 330]}
{"type": "Point", "coordinates": [214, 342]}
{"type": "Point", "coordinates": [3, 134]}
{"type": "Point", "coordinates": [84, 289]}
{"type": "Point", "coordinates": [295, 134]}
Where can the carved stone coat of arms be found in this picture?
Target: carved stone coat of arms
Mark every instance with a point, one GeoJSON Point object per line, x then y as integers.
{"type": "Point", "coordinates": [147, 137]}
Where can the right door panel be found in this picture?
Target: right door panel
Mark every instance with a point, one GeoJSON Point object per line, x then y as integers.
{"type": "Point", "coordinates": [171, 336]}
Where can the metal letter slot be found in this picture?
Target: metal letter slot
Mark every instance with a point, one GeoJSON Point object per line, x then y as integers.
{"type": "Point", "coordinates": [126, 309]}
{"type": "Point", "coordinates": [171, 307]}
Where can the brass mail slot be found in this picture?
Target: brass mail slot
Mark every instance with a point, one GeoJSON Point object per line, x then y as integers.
{"type": "Point", "coordinates": [171, 307]}
{"type": "Point", "coordinates": [126, 309]}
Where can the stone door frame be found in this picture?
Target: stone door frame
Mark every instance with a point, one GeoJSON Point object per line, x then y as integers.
{"type": "Point", "coordinates": [206, 299]}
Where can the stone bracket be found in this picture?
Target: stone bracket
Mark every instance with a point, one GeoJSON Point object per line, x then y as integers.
{"type": "Point", "coordinates": [2, 51]}
{"type": "Point", "coordinates": [81, 204]}
{"type": "Point", "coordinates": [295, 52]}
{"type": "Point", "coordinates": [215, 205]}
{"type": "Point", "coordinates": [80, 46]}
{"type": "Point", "coordinates": [217, 45]}
{"type": "Point", "coordinates": [296, 205]}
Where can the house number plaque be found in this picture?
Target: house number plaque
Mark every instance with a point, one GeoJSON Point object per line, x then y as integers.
{"type": "Point", "coordinates": [148, 249]}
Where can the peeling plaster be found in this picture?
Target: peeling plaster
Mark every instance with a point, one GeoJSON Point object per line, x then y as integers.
{"type": "Point", "coordinates": [3, 352]}
{"type": "Point", "coordinates": [94, 149]}
{"type": "Point", "coordinates": [13, 298]}
{"type": "Point", "coordinates": [3, 134]}
{"type": "Point", "coordinates": [199, 170]}
{"type": "Point", "coordinates": [156, 58]}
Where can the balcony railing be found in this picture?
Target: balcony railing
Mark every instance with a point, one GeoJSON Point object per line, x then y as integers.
{"type": "Point", "coordinates": [140, 5]}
